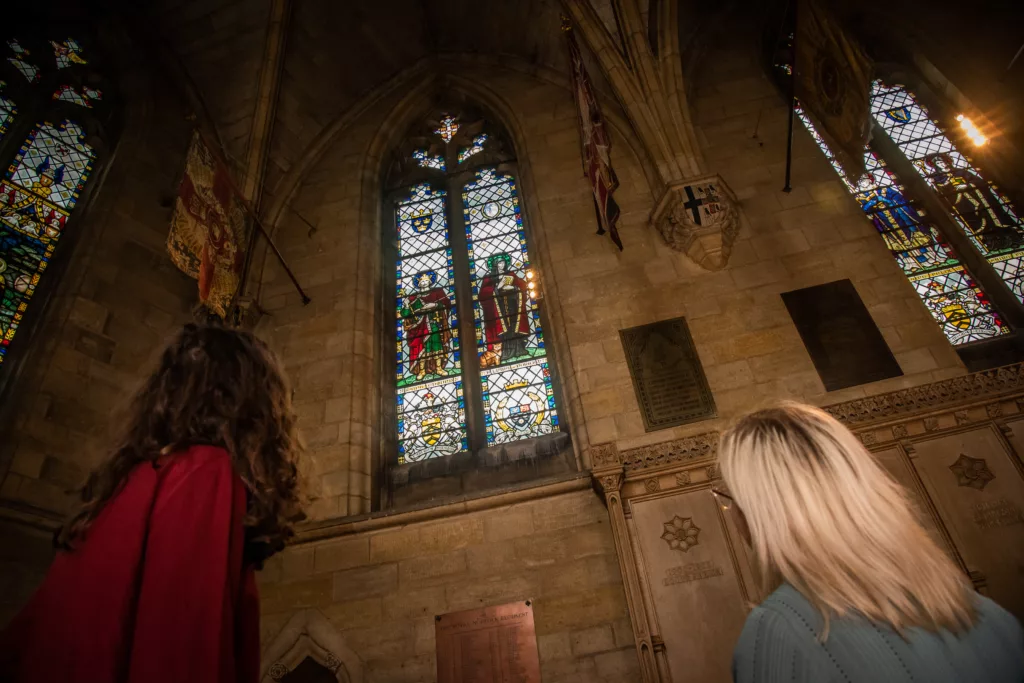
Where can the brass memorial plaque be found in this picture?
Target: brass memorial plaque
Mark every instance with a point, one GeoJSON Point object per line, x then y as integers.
{"type": "Point", "coordinates": [489, 645]}
{"type": "Point", "coordinates": [667, 375]}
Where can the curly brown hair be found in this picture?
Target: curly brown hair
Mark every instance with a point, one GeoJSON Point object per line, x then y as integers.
{"type": "Point", "coordinates": [220, 387]}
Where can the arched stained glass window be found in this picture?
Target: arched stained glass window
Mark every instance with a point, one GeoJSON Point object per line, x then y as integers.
{"type": "Point", "coordinates": [38, 193]}
{"type": "Point", "coordinates": [472, 367]}
{"type": "Point", "coordinates": [48, 163]}
{"type": "Point", "coordinates": [983, 212]}
{"type": "Point", "coordinates": [947, 289]}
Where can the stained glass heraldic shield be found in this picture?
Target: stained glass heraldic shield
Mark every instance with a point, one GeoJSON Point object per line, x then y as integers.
{"type": "Point", "coordinates": [42, 91]}
{"type": "Point", "coordinates": [467, 257]}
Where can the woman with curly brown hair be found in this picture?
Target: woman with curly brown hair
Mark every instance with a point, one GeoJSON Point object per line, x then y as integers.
{"type": "Point", "coordinates": [154, 579]}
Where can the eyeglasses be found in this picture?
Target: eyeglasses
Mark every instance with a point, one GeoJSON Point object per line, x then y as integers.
{"type": "Point", "coordinates": [724, 499]}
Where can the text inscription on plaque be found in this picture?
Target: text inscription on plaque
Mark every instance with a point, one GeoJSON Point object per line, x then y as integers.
{"type": "Point", "coordinates": [667, 375]}
{"type": "Point", "coordinates": [490, 645]}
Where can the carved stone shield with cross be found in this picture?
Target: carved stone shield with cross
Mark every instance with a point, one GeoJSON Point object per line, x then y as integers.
{"type": "Point", "coordinates": [699, 216]}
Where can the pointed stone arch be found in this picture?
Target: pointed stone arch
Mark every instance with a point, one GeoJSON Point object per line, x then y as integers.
{"type": "Point", "coordinates": [309, 634]}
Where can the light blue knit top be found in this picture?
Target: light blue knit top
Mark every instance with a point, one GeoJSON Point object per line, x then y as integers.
{"type": "Point", "coordinates": [780, 643]}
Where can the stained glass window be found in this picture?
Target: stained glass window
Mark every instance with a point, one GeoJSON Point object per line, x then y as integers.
{"type": "Point", "coordinates": [431, 407]}
{"type": "Point", "coordinates": [518, 398]}
{"type": "Point", "coordinates": [20, 62]}
{"type": "Point", "coordinates": [425, 159]}
{"type": "Point", "coordinates": [944, 285]}
{"type": "Point", "coordinates": [37, 195]}
{"type": "Point", "coordinates": [477, 146]}
{"type": "Point", "coordinates": [83, 95]}
{"type": "Point", "coordinates": [491, 385]}
{"type": "Point", "coordinates": [7, 111]}
{"type": "Point", "coordinates": [983, 212]}
{"type": "Point", "coordinates": [67, 53]}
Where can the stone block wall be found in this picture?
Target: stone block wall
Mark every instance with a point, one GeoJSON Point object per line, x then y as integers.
{"type": "Point", "coordinates": [381, 589]}
{"type": "Point", "coordinates": [748, 345]}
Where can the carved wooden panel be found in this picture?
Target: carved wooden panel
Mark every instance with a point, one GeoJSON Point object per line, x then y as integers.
{"type": "Point", "coordinates": [691, 570]}
{"type": "Point", "coordinates": [977, 487]}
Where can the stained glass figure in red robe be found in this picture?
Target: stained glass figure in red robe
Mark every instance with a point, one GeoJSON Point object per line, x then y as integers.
{"type": "Point", "coordinates": [503, 299]}
{"type": "Point", "coordinates": [426, 318]}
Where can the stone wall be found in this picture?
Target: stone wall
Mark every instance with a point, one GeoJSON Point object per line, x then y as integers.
{"type": "Point", "coordinates": [119, 298]}
{"type": "Point", "coordinates": [747, 343]}
{"type": "Point", "coordinates": [382, 589]}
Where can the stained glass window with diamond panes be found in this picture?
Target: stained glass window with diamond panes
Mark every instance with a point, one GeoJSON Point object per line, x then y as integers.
{"type": "Point", "coordinates": [37, 195]}
{"type": "Point", "coordinates": [7, 111]}
{"type": "Point", "coordinates": [944, 285]}
{"type": "Point", "coordinates": [20, 60]}
{"type": "Point", "coordinates": [431, 410]}
{"type": "Point", "coordinates": [517, 394]}
{"type": "Point", "coordinates": [81, 95]}
{"type": "Point", "coordinates": [980, 208]}
{"type": "Point", "coordinates": [477, 146]}
{"type": "Point", "coordinates": [67, 53]}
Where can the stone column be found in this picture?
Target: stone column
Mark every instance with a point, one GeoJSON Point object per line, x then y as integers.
{"type": "Point", "coordinates": [608, 475]}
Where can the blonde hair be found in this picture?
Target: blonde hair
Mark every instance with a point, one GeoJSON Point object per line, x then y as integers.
{"type": "Point", "coordinates": [827, 518]}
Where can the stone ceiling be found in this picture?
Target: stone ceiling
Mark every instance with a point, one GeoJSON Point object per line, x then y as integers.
{"type": "Point", "coordinates": [336, 53]}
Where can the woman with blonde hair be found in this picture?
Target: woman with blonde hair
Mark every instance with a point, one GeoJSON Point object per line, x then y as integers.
{"type": "Point", "coordinates": [862, 592]}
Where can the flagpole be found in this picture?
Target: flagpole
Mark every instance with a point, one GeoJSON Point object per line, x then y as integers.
{"type": "Point", "coordinates": [277, 253]}
{"type": "Point", "coordinates": [792, 106]}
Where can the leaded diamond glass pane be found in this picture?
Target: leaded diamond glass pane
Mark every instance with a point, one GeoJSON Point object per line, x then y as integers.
{"type": "Point", "coordinates": [958, 305]}
{"type": "Point", "coordinates": [518, 399]}
{"type": "Point", "coordinates": [980, 208]}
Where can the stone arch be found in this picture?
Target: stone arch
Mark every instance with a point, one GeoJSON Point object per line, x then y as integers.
{"type": "Point", "coordinates": [309, 634]}
{"type": "Point", "coordinates": [351, 469]}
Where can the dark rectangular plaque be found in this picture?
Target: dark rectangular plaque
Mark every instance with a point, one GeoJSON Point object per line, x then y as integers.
{"type": "Point", "coordinates": [843, 341]}
{"type": "Point", "coordinates": [667, 375]}
{"type": "Point", "coordinates": [489, 645]}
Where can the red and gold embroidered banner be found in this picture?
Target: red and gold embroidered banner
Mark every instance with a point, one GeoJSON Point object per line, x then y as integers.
{"type": "Point", "coordinates": [597, 160]}
{"type": "Point", "coordinates": [207, 238]}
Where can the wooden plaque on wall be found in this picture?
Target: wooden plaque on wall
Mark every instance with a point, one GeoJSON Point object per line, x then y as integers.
{"type": "Point", "coordinates": [667, 375]}
{"type": "Point", "coordinates": [490, 645]}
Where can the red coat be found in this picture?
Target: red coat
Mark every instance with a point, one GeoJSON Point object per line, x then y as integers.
{"type": "Point", "coordinates": [157, 592]}
{"type": "Point", "coordinates": [497, 321]}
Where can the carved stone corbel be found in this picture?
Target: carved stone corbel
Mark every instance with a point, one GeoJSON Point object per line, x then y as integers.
{"type": "Point", "coordinates": [700, 217]}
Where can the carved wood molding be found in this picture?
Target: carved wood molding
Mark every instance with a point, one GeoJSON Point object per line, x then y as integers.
{"type": "Point", "coordinates": [988, 396]}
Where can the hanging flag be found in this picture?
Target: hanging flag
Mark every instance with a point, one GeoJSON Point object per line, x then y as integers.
{"type": "Point", "coordinates": [207, 238]}
{"type": "Point", "coordinates": [597, 160]}
{"type": "Point", "coordinates": [833, 82]}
